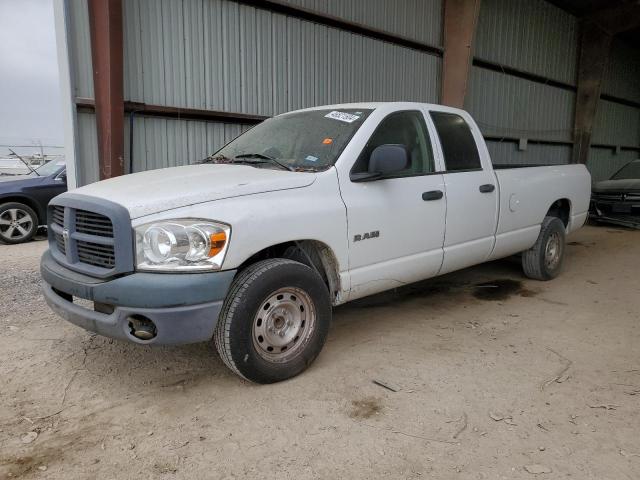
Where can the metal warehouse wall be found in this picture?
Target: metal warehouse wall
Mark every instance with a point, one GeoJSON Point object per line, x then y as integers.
{"type": "Point", "coordinates": [223, 55]}
{"type": "Point", "coordinates": [617, 124]}
{"type": "Point", "coordinates": [226, 55]}
{"type": "Point", "coordinates": [419, 20]}
{"type": "Point", "coordinates": [531, 37]}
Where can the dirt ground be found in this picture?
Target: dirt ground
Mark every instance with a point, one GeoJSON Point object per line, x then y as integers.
{"type": "Point", "coordinates": [495, 381]}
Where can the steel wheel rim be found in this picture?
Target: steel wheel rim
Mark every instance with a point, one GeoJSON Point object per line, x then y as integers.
{"type": "Point", "coordinates": [283, 325]}
{"type": "Point", "coordinates": [553, 251]}
{"type": "Point", "coordinates": [15, 224]}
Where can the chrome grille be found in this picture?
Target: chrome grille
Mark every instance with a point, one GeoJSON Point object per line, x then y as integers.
{"type": "Point", "coordinates": [93, 224]}
{"type": "Point", "coordinates": [95, 254]}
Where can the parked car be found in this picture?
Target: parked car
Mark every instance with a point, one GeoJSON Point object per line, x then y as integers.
{"type": "Point", "coordinates": [305, 211]}
{"type": "Point", "coordinates": [617, 200]}
{"type": "Point", "coordinates": [24, 199]}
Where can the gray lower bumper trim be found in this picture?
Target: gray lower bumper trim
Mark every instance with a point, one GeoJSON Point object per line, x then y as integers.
{"type": "Point", "coordinates": [183, 307]}
{"type": "Point", "coordinates": [145, 290]}
{"type": "Point", "coordinates": [189, 324]}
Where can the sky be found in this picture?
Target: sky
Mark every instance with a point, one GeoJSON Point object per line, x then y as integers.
{"type": "Point", "coordinates": [30, 103]}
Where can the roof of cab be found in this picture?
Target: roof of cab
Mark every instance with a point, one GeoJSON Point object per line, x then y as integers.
{"type": "Point", "coordinates": [375, 105]}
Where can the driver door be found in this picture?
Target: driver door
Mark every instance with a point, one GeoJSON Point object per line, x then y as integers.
{"type": "Point", "coordinates": [396, 222]}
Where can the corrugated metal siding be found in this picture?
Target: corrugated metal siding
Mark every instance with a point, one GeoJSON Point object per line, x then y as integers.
{"type": "Point", "coordinates": [80, 48]}
{"type": "Point", "coordinates": [504, 105]}
{"type": "Point", "coordinates": [530, 35]}
{"type": "Point", "coordinates": [419, 20]}
{"type": "Point", "coordinates": [604, 162]}
{"type": "Point", "coordinates": [160, 142]}
{"type": "Point", "coordinates": [221, 55]}
{"type": "Point", "coordinates": [623, 72]}
{"type": "Point", "coordinates": [507, 153]}
{"type": "Point", "coordinates": [616, 124]}
{"type": "Point", "coordinates": [87, 154]}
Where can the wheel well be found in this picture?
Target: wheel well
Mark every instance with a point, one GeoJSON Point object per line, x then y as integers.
{"type": "Point", "coordinates": [29, 203]}
{"type": "Point", "coordinates": [312, 253]}
{"type": "Point", "coordinates": [561, 209]}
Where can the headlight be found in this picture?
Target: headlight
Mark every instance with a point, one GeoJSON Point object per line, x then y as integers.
{"type": "Point", "coordinates": [181, 245]}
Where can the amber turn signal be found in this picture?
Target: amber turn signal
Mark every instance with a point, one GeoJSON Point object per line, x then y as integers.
{"type": "Point", "coordinates": [218, 240]}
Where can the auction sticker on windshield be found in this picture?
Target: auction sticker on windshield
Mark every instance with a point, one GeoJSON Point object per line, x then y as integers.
{"type": "Point", "coordinates": [342, 116]}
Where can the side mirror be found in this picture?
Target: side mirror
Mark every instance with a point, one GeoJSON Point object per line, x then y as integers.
{"type": "Point", "coordinates": [384, 160]}
{"type": "Point", "coordinates": [389, 158]}
{"type": "Point", "coordinates": [62, 177]}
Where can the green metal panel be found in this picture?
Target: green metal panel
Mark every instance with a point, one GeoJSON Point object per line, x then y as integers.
{"type": "Point", "coordinates": [530, 35]}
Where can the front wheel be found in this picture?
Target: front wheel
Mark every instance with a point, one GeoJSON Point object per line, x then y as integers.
{"type": "Point", "coordinates": [544, 260]}
{"type": "Point", "coordinates": [18, 223]}
{"type": "Point", "coordinates": [274, 321]}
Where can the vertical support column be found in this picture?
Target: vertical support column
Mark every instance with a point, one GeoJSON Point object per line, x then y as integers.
{"type": "Point", "coordinates": [105, 20]}
{"type": "Point", "coordinates": [66, 90]}
{"type": "Point", "coordinates": [460, 20]}
{"type": "Point", "coordinates": [595, 46]}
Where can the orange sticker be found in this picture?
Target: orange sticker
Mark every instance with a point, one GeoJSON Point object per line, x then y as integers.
{"type": "Point", "coordinates": [327, 141]}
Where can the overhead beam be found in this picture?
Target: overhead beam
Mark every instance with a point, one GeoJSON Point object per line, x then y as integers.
{"type": "Point", "coordinates": [619, 19]}
{"type": "Point", "coordinates": [105, 22]}
{"type": "Point", "coordinates": [460, 20]}
{"type": "Point", "coordinates": [595, 47]}
{"type": "Point", "coordinates": [179, 113]}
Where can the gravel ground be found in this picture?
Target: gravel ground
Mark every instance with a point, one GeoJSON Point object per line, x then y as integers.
{"type": "Point", "coordinates": [515, 379]}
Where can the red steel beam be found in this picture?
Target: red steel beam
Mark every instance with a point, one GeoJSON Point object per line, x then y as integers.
{"type": "Point", "coordinates": [105, 21]}
{"type": "Point", "coordinates": [460, 19]}
{"type": "Point", "coordinates": [595, 46]}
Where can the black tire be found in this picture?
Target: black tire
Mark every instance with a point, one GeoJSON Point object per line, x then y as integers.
{"type": "Point", "coordinates": [25, 219]}
{"type": "Point", "coordinates": [535, 261]}
{"type": "Point", "coordinates": [235, 336]}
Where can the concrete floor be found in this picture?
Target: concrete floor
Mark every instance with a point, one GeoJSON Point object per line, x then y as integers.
{"type": "Point", "coordinates": [494, 383]}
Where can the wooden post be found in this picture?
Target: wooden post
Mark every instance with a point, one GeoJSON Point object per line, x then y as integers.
{"type": "Point", "coordinates": [460, 20]}
{"type": "Point", "coordinates": [595, 46]}
{"type": "Point", "coordinates": [105, 21]}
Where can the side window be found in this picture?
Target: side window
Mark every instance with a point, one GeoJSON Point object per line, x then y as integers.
{"type": "Point", "coordinates": [458, 145]}
{"type": "Point", "coordinates": [403, 128]}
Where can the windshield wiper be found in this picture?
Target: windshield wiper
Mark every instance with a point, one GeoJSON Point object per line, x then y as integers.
{"type": "Point", "coordinates": [262, 156]}
{"type": "Point", "coordinates": [33, 170]}
{"type": "Point", "coordinates": [217, 159]}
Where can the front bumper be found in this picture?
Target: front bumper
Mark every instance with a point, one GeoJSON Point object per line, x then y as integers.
{"type": "Point", "coordinates": [622, 211]}
{"type": "Point", "coordinates": [183, 307]}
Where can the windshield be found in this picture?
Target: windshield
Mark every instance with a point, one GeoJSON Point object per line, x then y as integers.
{"type": "Point", "coordinates": [49, 168]}
{"type": "Point", "coordinates": [310, 140]}
{"type": "Point", "coordinates": [630, 171]}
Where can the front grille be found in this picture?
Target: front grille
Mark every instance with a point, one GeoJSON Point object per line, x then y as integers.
{"type": "Point", "coordinates": [60, 243]}
{"type": "Point", "coordinates": [58, 215]}
{"type": "Point", "coordinates": [613, 197]}
{"type": "Point", "coordinates": [95, 254]}
{"type": "Point", "coordinates": [93, 224]}
{"type": "Point", "coordinates": [83, 236]}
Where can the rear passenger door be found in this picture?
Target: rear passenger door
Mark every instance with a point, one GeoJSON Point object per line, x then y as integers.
{"type": "Point", "coordinates": [471, 192]}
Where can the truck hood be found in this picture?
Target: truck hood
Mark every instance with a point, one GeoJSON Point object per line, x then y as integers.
{"type": "Point", "coordinates": [156, 191]}
{"type": "Point", "coordinates": [623, 185]}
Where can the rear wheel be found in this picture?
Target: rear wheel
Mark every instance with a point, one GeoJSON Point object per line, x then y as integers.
{"type": "Point", "coordinates": [544, 260]}
{"type": "Point", "coordinates": [18, 223]}
{"type": "Point", "coordinates": [274, 321]}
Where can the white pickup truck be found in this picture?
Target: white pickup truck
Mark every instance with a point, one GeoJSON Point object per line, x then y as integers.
{"type": "Point", "coordinates": [307, 210]}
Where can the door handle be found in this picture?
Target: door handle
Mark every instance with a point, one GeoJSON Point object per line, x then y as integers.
{"type": "Point", "coordinates": [487, 188]}
{"type": "Point", "coordinates": [432, 195]}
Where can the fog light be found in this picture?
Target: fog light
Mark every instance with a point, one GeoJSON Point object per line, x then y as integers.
{"type": "Point", "coordinates": [141, 327]}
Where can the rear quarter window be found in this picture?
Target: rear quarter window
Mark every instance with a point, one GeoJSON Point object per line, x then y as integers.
{"type": "Point", "coordinates": [458, 145]}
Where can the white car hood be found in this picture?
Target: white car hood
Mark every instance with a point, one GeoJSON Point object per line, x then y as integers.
{"type": "Point", "coordinates": [156, 191]}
